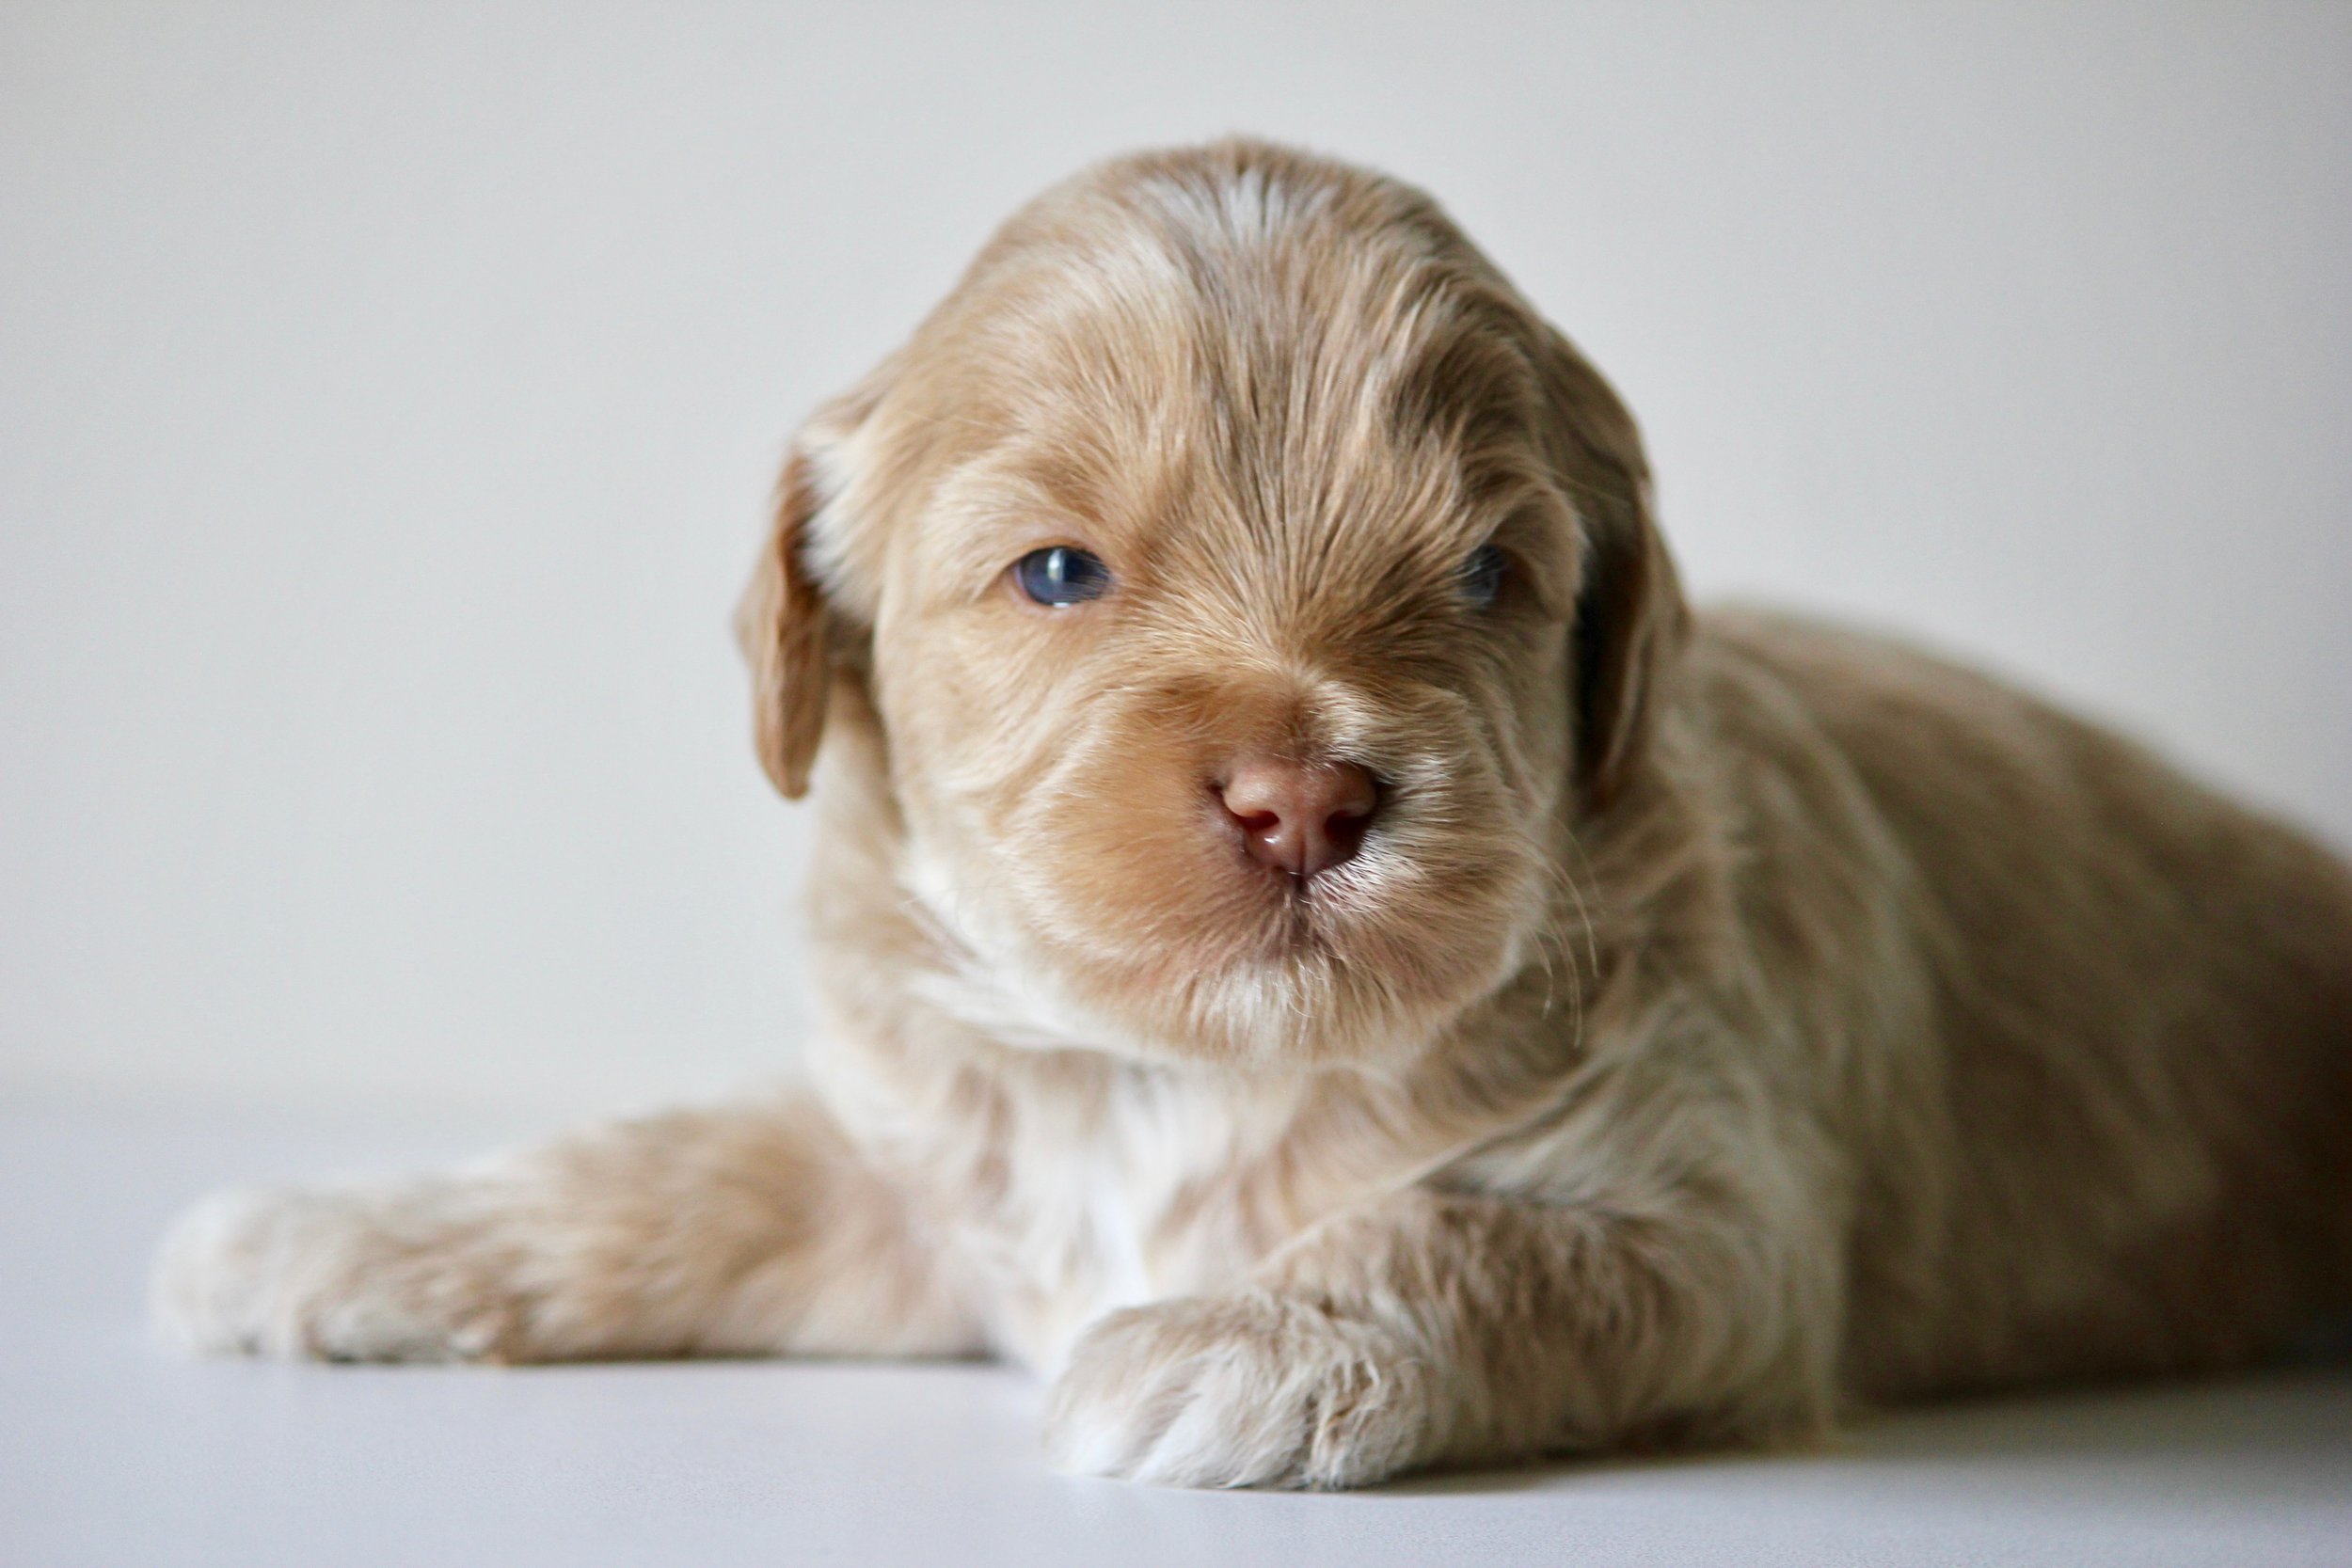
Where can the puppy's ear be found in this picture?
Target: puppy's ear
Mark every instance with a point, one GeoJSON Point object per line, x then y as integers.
{"type": "Point", "coordinates": [781, 623]}
{"type": "Point", "coordinates": [1631, 621]}
{"type": "Point", "coordinates": [795, 635]}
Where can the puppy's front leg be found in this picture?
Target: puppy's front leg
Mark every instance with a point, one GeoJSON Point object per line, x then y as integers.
{"type": "Point", "coordinates": [737, 1231]}
{"type": "Point", "coordinates": [1433, 1327]}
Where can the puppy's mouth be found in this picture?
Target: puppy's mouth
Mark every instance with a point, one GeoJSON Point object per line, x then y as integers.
{"type": "Point", "coordinates": [1302, 913]}
{"type": "Point", "coordinates": [1323, 911]}
{"type": "Point", "coordinates": [1296, 916]}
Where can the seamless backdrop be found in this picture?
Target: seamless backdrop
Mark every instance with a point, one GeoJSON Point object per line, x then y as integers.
{"type": "Point", "coordinates": [389, 394]}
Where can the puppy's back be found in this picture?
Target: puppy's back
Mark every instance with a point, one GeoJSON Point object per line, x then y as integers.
{"type": "Point", "coordinates": [2119, 1144]}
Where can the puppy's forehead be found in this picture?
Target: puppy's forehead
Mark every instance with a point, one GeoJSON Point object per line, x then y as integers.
{"type": "Point", "coordinates": [1204, 353]}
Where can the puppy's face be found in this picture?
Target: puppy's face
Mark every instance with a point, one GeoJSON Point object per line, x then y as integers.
{"type": "Point", "coordinates": [1214, 563]}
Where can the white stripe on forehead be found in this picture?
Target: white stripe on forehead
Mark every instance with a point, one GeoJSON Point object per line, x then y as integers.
{"type": "Point", "coordinates": [1241, 218]}
{"type": "Point", "coordinates": [1143, 261]}
{"type": "Point", "coordinates": [1242, 204]}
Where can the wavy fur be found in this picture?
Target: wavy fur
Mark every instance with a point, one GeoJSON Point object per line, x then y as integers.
{"type": "Point", "coordinates": [1728, 1018]}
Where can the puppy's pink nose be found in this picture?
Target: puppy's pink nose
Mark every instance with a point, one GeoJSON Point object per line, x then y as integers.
{"type": "Point", "coordinates": [1299, 818]}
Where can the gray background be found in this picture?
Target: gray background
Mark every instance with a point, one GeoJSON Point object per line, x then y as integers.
{"type": "Point", "coordinates": [389, 394]}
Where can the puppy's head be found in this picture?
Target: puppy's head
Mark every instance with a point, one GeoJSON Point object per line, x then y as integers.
{"type": "Point", "coordinates": [1251, 592]}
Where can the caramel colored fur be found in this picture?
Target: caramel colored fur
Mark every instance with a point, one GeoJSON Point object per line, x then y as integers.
{"type": "Point", "coordinates": [1728, 1021]}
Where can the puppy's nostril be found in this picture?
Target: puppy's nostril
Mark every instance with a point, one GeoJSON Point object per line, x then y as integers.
{"type": "Point", "coordinates": [1299, 818]}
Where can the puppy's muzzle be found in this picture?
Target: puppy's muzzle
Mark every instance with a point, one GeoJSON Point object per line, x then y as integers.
{"type": "Point", "coordinates": [1302, 818]}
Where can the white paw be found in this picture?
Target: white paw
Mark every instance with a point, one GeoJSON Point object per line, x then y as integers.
{"type": "Point", "coordinates": [1247, 1389]}
{"type": "Point", "coordinates": [389, 1274]}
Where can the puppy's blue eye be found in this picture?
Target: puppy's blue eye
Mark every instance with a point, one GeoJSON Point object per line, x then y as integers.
{"type": "Point", "coordinates": [1062, 576]}
{"type": "Point", "coordinates": [1482, 575]}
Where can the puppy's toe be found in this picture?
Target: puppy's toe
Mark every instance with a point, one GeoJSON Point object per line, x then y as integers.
{"type": "Point", "coordinates": [1240, 1390]}
{"type": "Point", "coordinates": [323, 1273]}
{"type": "Point", "coordinates": [212, 1276]}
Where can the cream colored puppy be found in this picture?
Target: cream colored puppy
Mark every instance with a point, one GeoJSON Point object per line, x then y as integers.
{"type": "Point", "coordinates": [1326, 957]}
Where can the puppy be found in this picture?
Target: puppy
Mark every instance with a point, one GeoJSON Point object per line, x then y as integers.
{"type": "Point", "coordinates": [1324, 957]}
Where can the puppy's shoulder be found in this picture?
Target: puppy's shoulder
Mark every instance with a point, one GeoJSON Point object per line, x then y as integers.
{"type": "Point", "coordinates": [1892, 737]}
{"type": "Point", "coordinates": [1870, 694]}
{"type": "Point", "coordinates": [1829, 659]}
{"type": "Point", "coordinates": [1947, 751]}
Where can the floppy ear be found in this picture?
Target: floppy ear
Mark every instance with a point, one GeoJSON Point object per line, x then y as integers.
{"type": "Point", "coordinates": [782, 625]}
{"type": "Point", "coordinates": [1630, 617]}
{"type": "Point", "coordinates": [805, 614]}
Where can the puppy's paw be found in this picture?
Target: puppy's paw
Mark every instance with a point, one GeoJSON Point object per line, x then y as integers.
{"type": "Point", "coordinates": [391, 1274]}
{"type": "Point", "coordinates": [1247, 1389]}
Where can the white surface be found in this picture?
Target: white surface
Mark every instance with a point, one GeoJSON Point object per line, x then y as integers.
{"type": "Point", "coordinates": [114, 1454]}
{"type": "Point", "coordinates": [389, 391]}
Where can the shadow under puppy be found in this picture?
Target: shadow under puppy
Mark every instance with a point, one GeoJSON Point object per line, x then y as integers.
{"type": "Point", "coordinates": [1327, 957]}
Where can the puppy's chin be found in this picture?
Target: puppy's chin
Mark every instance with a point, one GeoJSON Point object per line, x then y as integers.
{"type": "Point", "coordinates": [1323, 985]}
{"type": "Point", "coordinates": [1202, 955]}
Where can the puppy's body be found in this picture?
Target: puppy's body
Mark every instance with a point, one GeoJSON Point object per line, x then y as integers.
{"type": "Point", "coordinates": [1722, 1019]}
